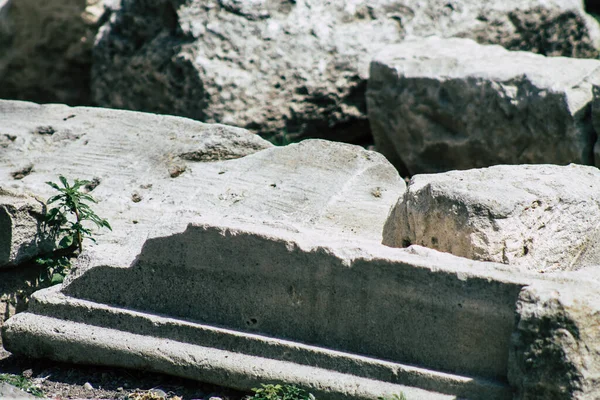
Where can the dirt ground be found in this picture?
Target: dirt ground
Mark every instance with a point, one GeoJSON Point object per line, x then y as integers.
{"type": "Point", "coordinates": [68, 381]}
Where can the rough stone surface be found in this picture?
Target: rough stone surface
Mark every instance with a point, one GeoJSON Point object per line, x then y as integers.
{"type": "Point", "coordinates": [291, 295]}
{"type": "Point", "coordinates": [151, 171]}
{"type": "Point", "coordinates": [46, 49]}
{"type": "Point", "coordinates": [21, 230]}
{"type": "Point", "coordinates": [549, 359]}
{"type": "Point", "coordinates": [538, 217]}
{"type": "Point", "coordinates": [442, 104]}
{"type": "Point", "coordinates": [298, 68]}
{"type": "Point", "coordinates": [299, 284]}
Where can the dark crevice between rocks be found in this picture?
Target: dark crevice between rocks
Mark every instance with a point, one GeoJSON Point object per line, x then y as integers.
{"type": "Point", "coordinates": [592, 7]}
{"type": "Point", "coordinates": [590, 134]}
{"type": "Point", "coordinates": [354, 130]}
{"type": "Point", "coordinates": [325, 122]}
{"type": "Point", "coordinates": [162, 79]}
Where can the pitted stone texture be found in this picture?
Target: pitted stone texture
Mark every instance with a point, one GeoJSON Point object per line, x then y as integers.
{"type": "Point", "coordinates": [46, 49]}
{"type": "Point", "coordinates": [442, 104]}
{"type": "Point", "coordinates": [21, 230]}
{"type": "Point", "coordinates": [535, 217]}
{"type": "Point", "coordinates": [298, 68]}
{"type": "Point", "coordinates": [555, 346]}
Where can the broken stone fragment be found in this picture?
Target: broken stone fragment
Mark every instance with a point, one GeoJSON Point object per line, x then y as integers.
{"type": "Point", "coordinates": [21, 230]}
{"type": "Point", "coordinates": [442, 104]}
{"type": "Point", "coordinates": [537, 217]}
{"type": "Point", "coordinates": [556, 342]}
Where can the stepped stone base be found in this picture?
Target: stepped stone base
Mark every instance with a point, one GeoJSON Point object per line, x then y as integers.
{"type": "Point", "coordinates": [239, 304]}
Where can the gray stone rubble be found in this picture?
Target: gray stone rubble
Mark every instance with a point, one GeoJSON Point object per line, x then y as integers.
{"type": "Point", "coordinates": [238, 262]}
{"type": "Point", "coordinates": [255, 263]}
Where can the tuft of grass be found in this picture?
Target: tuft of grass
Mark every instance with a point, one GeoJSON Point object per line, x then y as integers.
{"type": "Point", "coordinates": [280, 392]}
{"type": "Point", "coordinates": [22, 383]}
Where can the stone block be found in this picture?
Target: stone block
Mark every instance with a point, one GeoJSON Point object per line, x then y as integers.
{"type": "Point", "coordinates": [442, 104]}
{"type": "Point", "coordinates": [537, 217]}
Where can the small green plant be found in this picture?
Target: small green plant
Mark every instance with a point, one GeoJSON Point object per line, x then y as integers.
{"type": "Point", "coordinates": [72, 210]}
{"type": "Point", "coordinates": [281, 392]}
{"type": "Point", "coordinates": [22, 383]}
{"type": "Point", "coordinates": [400, 396]}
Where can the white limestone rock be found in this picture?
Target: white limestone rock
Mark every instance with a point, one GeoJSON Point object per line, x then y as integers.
{"type": "Point", "coordinates": [442, 104]}
{"type": "Point", "coordinates": [154, 173]}
{"type": "Point", "coordinates": [556, 342]}
{"type": "Point", "coordinates": [535, 217]}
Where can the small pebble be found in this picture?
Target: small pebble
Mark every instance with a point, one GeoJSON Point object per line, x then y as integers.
{"type": "Point", "coordinates": [88, 386]}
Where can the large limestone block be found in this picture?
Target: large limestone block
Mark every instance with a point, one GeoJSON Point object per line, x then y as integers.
{"type": "Point", "coordinates": [151, 171]}
{"type": "Point", "coordinates": [298, 68]}
{"type": "Point", "coordinates": [46, 48]}
{"type": "Point", "coordinates": [237, 303]}
{"type": "Point", "coordinates": [535, 217]}
{"type": "Point", "coordinates": [441, 104]}
{"type": "Point", "coordinates": [21, 228]}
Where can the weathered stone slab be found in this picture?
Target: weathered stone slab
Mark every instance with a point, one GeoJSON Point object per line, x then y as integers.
{"type": "Point", "coordinates": [21, 228]}
{"type": "Point", "coordinates": [9, 392]}
{"type": "Point", "coordinates": [442, 104]}
{"type": "Point", "coordinates": [537, 217]}
{"type": "Point", "coordinates": [298, 68]}
{"type": "Point", "coordinates": [152, 171]}
{"type": "Point", "coordinates": [282, 277]}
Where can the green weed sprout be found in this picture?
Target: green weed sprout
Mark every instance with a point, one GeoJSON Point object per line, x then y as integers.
{"type": "Point", "coordinates": [70, 202]}
{"type": "Point", "coordinates": [281, 392]}
{"type": "Point", "coordinates": [22, 383]}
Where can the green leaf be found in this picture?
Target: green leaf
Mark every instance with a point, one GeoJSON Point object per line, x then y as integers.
{"type": "Point", "coordinates": [64, 181]}
{"type": "Point", "coordinates": [56, 279]}
{"type": "Point", "coordinates": [88, 197]}
{"type": "Point", "coordinates": [54, 185]}
{"type": "Point", "coordinates": [79, 184]}
{"type": "Point", "coordinates": [66, 241]}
